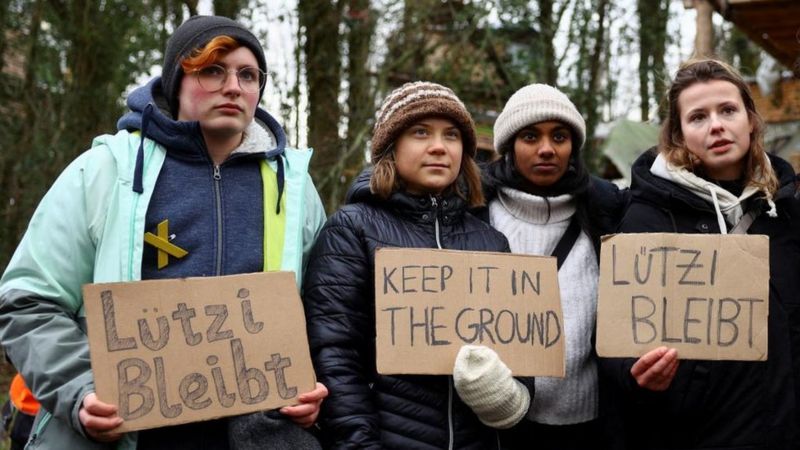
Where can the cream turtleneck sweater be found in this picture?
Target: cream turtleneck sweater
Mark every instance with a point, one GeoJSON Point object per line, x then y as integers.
{"type": "Point", "coordinates": [523, 219]}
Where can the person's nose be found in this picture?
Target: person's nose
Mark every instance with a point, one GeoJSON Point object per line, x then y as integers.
{"type": "Point", "coordinates": [715, 123]}
{"type": "Point", "coordinates": [546, 149]}
{"type": "Point", "coordinates": [438, 144]}
{"type": "Point", "coordinates": [231, 84]}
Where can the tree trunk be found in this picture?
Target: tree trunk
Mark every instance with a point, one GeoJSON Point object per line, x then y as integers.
{"type": "Point", "coordinates": [548, 27]}
{"type": "Point", "coordinates": [592, 112]}
{"type": "Point", "coordinates": [321, 19]}
{"type": "Point", "coordinates": [704, 39]}
{"type": "Point", "coordinates": [360, 104]}
{"type": "Point", "coordinates": [227, 8]}
{"type": "Point", "coordinates": [653, 17]}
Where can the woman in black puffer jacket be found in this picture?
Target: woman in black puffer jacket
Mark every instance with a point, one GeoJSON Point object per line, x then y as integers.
{"type": "Point", "coordinates": [424, 180]}
{"type": "Point", "coordinates": [708, 175]}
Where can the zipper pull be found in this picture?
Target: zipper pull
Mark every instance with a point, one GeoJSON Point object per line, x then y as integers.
{"type": "Point", "coordinates": [434, 202]}
{"type": "Point", "coordinates": [217, 175]}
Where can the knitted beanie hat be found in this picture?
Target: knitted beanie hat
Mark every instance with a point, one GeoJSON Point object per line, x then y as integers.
{"type": "Point", "coordinates": [536, 103]}
{"type": "Point", "coordinates": [196, 32]}
{"type": "Point", "coordinates": [485, 384]}
{"type": "Point", "coordinates": [415, 101]}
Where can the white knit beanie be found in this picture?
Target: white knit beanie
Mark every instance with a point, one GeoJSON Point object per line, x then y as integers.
{"type": "Point", "coordinates": [485, 384]}
{"type": "Point", "coordinates": [536, 103]}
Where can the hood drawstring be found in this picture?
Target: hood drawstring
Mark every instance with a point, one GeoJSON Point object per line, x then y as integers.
{"type": "Point", "coordinates": [720, 219]}
{"type": "Point", "coordinates": [280, 183]}
{"type": "Point", "coordinates": [773, 210]}
{"type": "Point", "coordinates": [138, 171]}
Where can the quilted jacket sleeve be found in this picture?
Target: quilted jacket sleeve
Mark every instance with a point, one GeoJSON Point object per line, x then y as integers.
{"type": "Point", "coordinates": [339, 304]}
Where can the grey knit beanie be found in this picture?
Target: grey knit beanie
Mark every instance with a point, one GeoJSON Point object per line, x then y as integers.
{"type": "Point", "coordinates": [196, 32]}
{"type": "Point", "coordinates": [536, 103]}
{"type": "Point", "coordinates": [415, 101]}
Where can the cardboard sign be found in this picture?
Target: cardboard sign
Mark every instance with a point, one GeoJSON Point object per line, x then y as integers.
{"type": "Point", "coordinates": [705, 295]}
{"type": "Point", "coordinates": [168, 352]}
{"type": "Point", "coordinates": [428, 303]}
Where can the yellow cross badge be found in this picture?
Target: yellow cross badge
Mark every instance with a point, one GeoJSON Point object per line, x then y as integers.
{"type": "Point", "coordinates": [161, 242]}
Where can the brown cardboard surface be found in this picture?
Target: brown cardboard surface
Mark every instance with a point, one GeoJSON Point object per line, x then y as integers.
{"type": "Point", "coordinates": [705, 295]}
{"type": "Point", "coordinates": [428, 303]}
{"type": "Point", "coordinates": [175, 351]}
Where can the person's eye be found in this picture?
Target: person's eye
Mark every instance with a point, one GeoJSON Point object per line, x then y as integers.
{"type": "Point", "coordinates": [694, 118]}
{"type": "Point", "coordinates": [528, 136]}
{"type": "Point", "coordinates": [453, 134]}
{"type": "Point", "coordinates": [248, 74]}
{"type": "Point", "coordinates": [561, 137]}
{"type": "Point", "coordinates": [419, 131]}
{"type": "Point", "coordinates": [728, 110]}
{"type": "Point", "coordinates": [212, 71]}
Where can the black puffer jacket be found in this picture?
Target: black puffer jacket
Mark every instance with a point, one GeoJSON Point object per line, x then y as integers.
{"type": "Point", "coordinates": [365, 409]}
{"type": "Point", "coordinates": [720, 404]}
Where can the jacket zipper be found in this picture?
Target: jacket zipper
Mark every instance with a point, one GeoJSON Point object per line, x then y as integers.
{"type": "Point", "coordinates": [39, 427]}
{"type": "Point", "coordinates": [451, 441]}
{"type": "Point", "coordinates": [218, 206]}
{"type": "Point", "coordinates": [450, 427]}
{"type": "Point", "coordinates": [435, 204]}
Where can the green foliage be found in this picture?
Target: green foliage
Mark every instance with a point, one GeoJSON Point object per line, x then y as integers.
{"type": "Point", "coordinates": [736, 48]}
{"type": "Point", "coordinates": [66, 65]}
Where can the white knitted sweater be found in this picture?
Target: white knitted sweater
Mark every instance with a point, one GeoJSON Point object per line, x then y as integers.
{"type": "Point", "coordinates": [523, 219]}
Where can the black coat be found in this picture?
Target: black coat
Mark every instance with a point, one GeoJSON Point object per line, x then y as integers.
{"type": "Point", "coordinates": [365, 409]}
{"type": "Point", "coordinates": [720, 404]}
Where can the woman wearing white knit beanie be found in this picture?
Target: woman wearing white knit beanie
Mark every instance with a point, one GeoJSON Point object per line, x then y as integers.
{"type": "Point", "coordinates": [542, 198]}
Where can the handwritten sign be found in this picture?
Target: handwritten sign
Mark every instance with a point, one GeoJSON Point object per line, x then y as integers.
{"type": "Point", "coordinates": [168, 352]}
{"type": "Point", "coordinates": [705, 295]}
{"type": "Point", "coordinates": [428, 303]}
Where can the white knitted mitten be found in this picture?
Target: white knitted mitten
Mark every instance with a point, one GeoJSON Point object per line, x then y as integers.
{"type": "Point", "coordinates": [485, 384]}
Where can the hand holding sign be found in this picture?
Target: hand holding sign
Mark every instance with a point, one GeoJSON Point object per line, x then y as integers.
{"type": "Point", "coordinates": [306, 413]}
{"type": "Point", "coordinates": [656, 369]}
{"type": "Point", "coordinates": [99, 419]}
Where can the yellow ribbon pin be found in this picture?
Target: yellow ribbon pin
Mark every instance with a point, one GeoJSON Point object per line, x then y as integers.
{"type": "Point", "coordinates": [164, 246]}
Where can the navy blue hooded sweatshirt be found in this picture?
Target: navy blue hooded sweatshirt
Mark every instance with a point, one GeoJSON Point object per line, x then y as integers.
{"type": "Point", "coordinates": [215, 213]}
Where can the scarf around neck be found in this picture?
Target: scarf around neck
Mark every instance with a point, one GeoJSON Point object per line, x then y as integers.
{"type": "Point", "coordinates": [726, 205]}
{"type": "Point", "coordinates": [503, 173]}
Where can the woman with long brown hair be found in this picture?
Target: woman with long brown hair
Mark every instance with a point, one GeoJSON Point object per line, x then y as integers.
{"type": "Point", "coordinates": [417, 196]}
{"type": "Point", "coordinates": [710, 174]}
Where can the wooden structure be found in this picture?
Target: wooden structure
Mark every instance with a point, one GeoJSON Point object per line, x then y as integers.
{"type": "Point", "coordinates": [772, 24]}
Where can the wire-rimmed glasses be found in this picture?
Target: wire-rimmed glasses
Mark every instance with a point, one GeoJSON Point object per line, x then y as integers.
{"type": "Point", "coordinates": [212, 78]}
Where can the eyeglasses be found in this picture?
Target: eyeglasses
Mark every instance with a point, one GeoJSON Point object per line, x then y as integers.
{"type": "Point", "coordinates": [213, 78]}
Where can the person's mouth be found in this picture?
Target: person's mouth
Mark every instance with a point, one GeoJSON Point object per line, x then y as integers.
{"type": "Point", "coordinates": [229, 107]}
{"type": "Point", "coordinates": [720, 145]}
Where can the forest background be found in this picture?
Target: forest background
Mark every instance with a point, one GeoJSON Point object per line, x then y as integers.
{"type": "Point", "coordinates": [68, 64]}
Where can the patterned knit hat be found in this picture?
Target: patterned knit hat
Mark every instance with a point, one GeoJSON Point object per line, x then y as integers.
{"type": "Point", "coordinates": [533, 104]}
{"type": "Point", "coordinates": [412, 102]}
{"type": "Point", "coordinates": [196, 32]}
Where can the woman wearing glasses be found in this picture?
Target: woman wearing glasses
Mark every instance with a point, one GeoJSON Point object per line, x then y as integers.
{"type": "Point", "coordinates": [194, 150]}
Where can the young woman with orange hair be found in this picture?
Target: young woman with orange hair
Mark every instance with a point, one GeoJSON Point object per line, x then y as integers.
{"type": "Point", "coordinates": [196, 150]}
